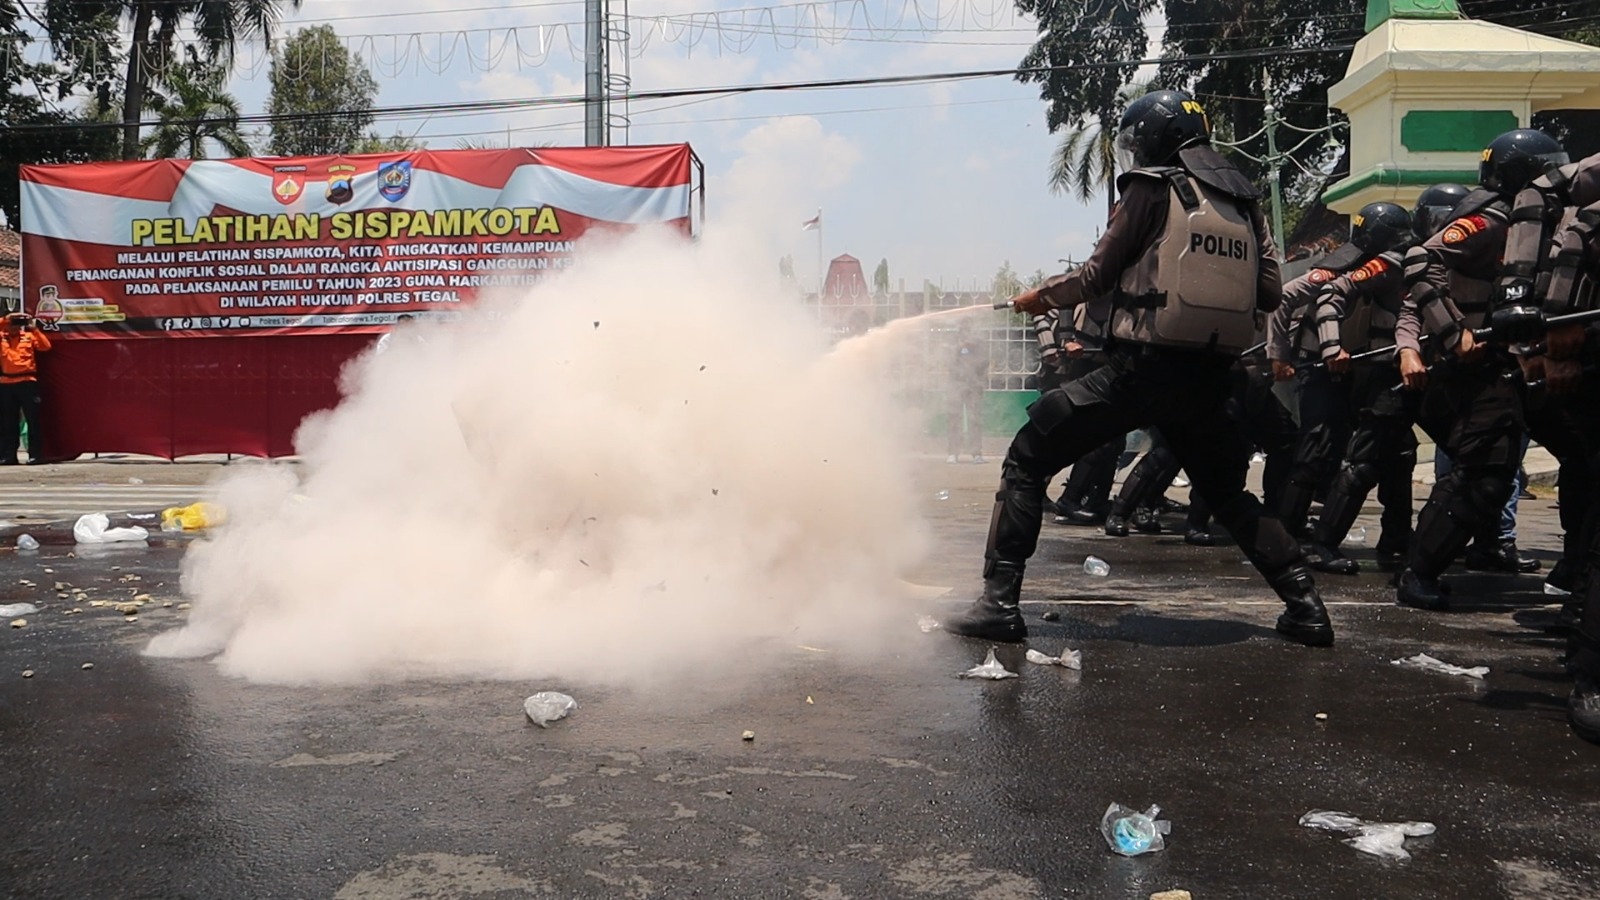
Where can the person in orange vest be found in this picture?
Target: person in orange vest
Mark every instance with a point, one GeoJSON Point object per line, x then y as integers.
{"type": "Point", "coordinates": [20, 342]}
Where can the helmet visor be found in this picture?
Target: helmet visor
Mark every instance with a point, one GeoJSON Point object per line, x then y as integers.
{"type": "Point", "coordinates": [1125, 149]}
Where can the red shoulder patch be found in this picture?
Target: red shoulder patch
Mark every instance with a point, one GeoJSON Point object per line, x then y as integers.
{"type": "Point", "coordinates": [1465, 227]}
{"type": "Point", "coordinates": [1371, 270]}
{"type": "Point", "coordinates": [1319, 276]}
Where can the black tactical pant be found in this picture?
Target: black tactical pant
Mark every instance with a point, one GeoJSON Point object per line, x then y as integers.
{"type": "Point", "coordinates": [1185, 394]}
{"type": "Point", "coordinates": [20, 399]}
{"type": "Point", "coordinates": [1325, 423]}
{"type": "Point", "coordinates": [1089, 483]}
{"type": "Point", "coordinates": [1569, 427]}
{"type": "Point", "coordinates": [1266, 424]}
{"type": "Point", "coordinates": [1261, 418]}
{"type": "Point", "coordinates": [1381, 452]}
{"type": "Point", "coordinates": [1474, 413]}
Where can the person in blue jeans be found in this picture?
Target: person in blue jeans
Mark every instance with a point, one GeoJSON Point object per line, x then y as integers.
{"type": "Point", "coordinates": [1497, 552]}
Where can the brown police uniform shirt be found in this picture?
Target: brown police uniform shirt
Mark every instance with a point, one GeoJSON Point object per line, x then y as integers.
{"type": "Point", "coordinates": [1380, 281]}
{"type": "Point", "coordinates": [1462, 259]}
{"type": "Point", "coordinates": [1285, 322]}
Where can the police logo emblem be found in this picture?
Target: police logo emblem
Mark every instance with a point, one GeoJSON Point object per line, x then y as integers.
{"type": "Point", "coordinates": [288, 182]}
{"type": "Point", "coordinates": [394, 179]}
{"type": "Point", "coordinates": [1318, 276]}
{"type": "Point", "coordinates": [341, 183]}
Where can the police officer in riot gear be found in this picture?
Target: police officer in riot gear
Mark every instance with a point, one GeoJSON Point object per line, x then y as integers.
{"type": "Point", "coordinates": [1470, 409]}
{"type": "Point", "coordinates": [1327, 415]}
{"type": "Point", "coordinates": [1192, 264]}
{"type": "Point", "coordinates": [1356, 314]}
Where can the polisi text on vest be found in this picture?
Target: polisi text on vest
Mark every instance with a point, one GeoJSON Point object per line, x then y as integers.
{"type": "Point", "coordinates": [1211, 245]}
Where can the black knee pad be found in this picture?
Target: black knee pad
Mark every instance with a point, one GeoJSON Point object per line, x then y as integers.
{"type": "Point", "coordinates": [1483, 493]}
{"type": "Point", "coordinates": [1358, 478]}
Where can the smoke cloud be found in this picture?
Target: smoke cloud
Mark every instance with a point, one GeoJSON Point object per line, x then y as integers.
{"type": "Point", "coordinates": [649, 468]}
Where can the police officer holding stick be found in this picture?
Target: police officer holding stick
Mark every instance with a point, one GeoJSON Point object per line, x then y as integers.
{"type": "Point", "coordinates": [1191, 262]}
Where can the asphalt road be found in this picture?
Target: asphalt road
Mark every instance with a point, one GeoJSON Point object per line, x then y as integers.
{"type": "Point", "coordinates": [160, 778]}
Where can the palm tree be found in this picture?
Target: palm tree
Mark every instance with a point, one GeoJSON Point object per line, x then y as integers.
{"type": "Point", "coordinates": [199, 109]}
{"type": "Point", "coordinates": [219, 24]}
{"type": "Point", "coordinates": [1086, 161]}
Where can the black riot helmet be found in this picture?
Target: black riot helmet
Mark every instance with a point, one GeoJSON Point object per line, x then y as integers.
{"type": "Point", "coordinates": [1432, 212]}
{"type": "Point", "coordinates": [1513, 160]}
{"type": "Point", "coordinates": [1380, 226]}
{"type": "Point", "coordinates": [1156, 126]}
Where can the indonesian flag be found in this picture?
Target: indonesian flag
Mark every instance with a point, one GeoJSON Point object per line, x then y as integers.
{"type": "Point", "coordinates": [813, 223]}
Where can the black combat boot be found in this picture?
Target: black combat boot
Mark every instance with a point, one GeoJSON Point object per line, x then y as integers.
{"type": "Point", "coordinates": [1116, 525]}
{"type": "Point", "coordinates": [1500, 556]}
{"type": "Point", "coordinates": [1083, 515]}
{"type": "Point", "coordinates": [1305, 621]}
{"type": "Point", "coordinates": [1330, 560]}
{"type": "Point", "coordinates": [1198, 537]}
{"type": "Point", "coordinates": [1420, 592]}
{"type": "Point", "coordinates": [1562, 579]}
{"type": "Point", "coordinates": [1145, 521]}
{"type": "Point", "coordinates": [1392, 555]}
{"type": "Point", "coordinates": [1583, 705]}
{"type": "Point", "coordinates": [995, 616]}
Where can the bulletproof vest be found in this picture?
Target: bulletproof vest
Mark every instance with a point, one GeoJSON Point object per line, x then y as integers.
{"type": "Point", "coordinates": [1089, 320]}
{"type": "Point", "coordinates": [1369, 323]}
{"type": "Point", "coordinates": [1195, 286]}
{"type": "Point", "coordinates": [1473, 297]}
{"type": "Point", "coordinates": [1553, 239]}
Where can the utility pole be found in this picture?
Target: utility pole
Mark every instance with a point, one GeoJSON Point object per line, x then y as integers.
{"type": "Point", "coordinates": [594, 74]}
{"type": "Point", "coordinates": [1275, 162]}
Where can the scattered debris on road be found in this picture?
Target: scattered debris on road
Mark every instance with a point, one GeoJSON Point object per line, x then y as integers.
{"type": "Point", "coordinates": [548, 706]}
{"type": "Point", "coordinates": [1429, 664]}
{"type": "Point", "coordinates": [990, 668]}
{"type": "Point", "coordinates": [1069, 659]}
{"type": "Point", "coordinates": [1130, 833]}
{"type": "Point", "coordinates": [1385, 839]}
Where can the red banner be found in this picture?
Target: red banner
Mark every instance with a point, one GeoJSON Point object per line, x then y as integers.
{"type": "Point", "coordinates": [317, 245]}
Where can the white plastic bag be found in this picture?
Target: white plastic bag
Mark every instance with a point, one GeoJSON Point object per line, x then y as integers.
{"type": "Point", "coordinates": [548, 706]}
{"type": "Point", "coordinates": [12, 610]}
{"type": "Point", "coordinates": [1069, 659]}
{"type": "Point", "coordinates": [990, 668]}
{"type": "Point", "coordinates": [1429, 664]}
{"type": "Point", "coordinates": [1131, 833]}
{"type": "Point", "coordinates": [1385, 839]}
{"type": "Point", "coordinates": [95, 528]}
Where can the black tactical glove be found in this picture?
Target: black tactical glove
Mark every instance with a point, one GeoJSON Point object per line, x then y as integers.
{"type": "Point", "coordinates": [1517, 324]}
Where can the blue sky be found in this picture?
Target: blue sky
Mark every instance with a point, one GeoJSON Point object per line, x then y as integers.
{"type": "Point", "coordinates": [945, 181]}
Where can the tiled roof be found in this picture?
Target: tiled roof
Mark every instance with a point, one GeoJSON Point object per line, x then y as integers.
{"type": "Point", "coordinates": [10, 255]}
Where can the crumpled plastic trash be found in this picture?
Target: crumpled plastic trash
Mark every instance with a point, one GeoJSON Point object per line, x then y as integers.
{"type": "Point", "coordinates": [12, 610]}
{"type": "Point", "coordinates": [1131, 833]}
{"type": "Point", "coordinates": [1096, 566]}
{"type": "Point", "coordinates": [27, 542]}
{"type": "Point", "coordinates": [1385, 839]}
{"type": "Point", "coordinates": [1428, 664]}
{"type": "Point", "coordinates": [194, 517]}
{"type": "Point", "coordinates": [548, 706]}
{"type": "Point", "coordinates": [1069, 659]}
{"type": "Point", "coordinates": [928, 624]}
{"type": "Point", "coordinates": [95, 528]}
{"type": "Point", "coordinates": [990, 668]}
{"type": "Point", "coordinates": [1357, 537]}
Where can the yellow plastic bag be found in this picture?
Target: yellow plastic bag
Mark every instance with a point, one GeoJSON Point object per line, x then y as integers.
{"type": "Point", "coordinates": [194, 517]}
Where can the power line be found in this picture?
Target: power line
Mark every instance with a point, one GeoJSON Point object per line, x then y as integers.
{"type": "Point", "coordinates": [472, 107]}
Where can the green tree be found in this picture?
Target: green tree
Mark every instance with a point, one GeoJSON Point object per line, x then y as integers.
{"type": "Point", "coordinates": [324, 94]}
{"type": "Point", "coordinates": [37, 128]}
{"type": "Point", "coordinates": [1005, 283]}
{"type": "Point", "coordinates": [194, 109]}
{"type": "Point", "coordinates": [154, 25]}
{"type": "Point", "coordinates": [394, 143]}
{"type": "Point", "coordinates": [1086, 160]}
{"type": "Point", "coordinates": [880, 278]}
